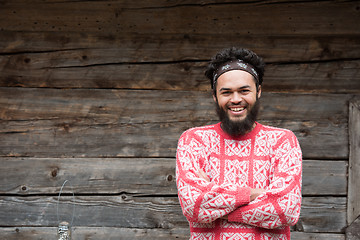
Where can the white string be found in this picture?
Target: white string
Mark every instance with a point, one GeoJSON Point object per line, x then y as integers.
{"type": "Point", "coordinates": [57, 207]}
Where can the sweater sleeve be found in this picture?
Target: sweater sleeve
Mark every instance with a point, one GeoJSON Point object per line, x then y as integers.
{"type": "Point", "coordinates": [279, 205]}
{"type": "Point", "coordinates": [202, 201]}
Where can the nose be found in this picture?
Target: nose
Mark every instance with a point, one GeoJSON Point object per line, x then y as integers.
{"type": "Point", "coordinates": [236, 98]}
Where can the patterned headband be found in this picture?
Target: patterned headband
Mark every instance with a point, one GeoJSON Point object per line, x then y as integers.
{"type": "Point", "coordinates": [234, 65]}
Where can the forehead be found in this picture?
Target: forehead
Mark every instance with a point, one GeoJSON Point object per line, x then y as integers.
{"type": "Point", "coordinates": [235, 79]}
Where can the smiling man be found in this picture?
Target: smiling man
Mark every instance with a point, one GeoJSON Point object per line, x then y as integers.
{"type": "Point", "coordinates": [238, 179]}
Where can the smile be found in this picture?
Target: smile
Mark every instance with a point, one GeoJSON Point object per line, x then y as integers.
{"type": "Point", "coordinates": [239, 109]}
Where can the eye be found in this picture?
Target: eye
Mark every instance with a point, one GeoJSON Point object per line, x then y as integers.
{"type": "Point", "coordinates": [225, 92]}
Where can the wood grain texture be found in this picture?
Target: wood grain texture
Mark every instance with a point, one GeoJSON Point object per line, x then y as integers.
{"type": "Point", "coordinates": [354, 161]}
{"type": "Point", "coordinates": [119, 123]}
{"type": "Point", "coordinates": [93, 211]}
{"type": "Point", "coordinates": [74, 49]}
{"type": "Point", "coordinates": [141, 106]}
{"type": "Point", "coordinates": [46, 70]}
{"type": "Point", "coordinates": [86, 138]}
{"type": "Point", "coordinates": [293, 18]}
{"type": "Point", "coordinates": [324, 177]}
{"type": "Point", "coordinates": [319, 214]}
{"type": "Point", "coordinates": [112, 233]}
{"type": "Point", "coordinates": [332, 220]}
{"type": "Point", "coordinates": [152, 176]}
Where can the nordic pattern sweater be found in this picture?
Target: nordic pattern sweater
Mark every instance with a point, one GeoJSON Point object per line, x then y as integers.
{"type": "Point", "coordinates": [267, 157]}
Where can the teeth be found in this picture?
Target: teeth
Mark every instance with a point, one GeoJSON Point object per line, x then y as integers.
{"type": "Point", "coordinates": [237, 109]}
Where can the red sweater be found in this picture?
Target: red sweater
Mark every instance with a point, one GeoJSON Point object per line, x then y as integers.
{"type": "Point", "coordinates": [267, 157]}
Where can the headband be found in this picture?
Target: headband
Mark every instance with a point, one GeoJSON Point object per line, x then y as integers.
{"type": "Point", "coordinates": [234, 65]}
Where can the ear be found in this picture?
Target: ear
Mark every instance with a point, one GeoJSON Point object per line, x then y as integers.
{"type": "Point", "coordinates": [259, 92]}
{"type": "Point", "coordinates": [214, 97]}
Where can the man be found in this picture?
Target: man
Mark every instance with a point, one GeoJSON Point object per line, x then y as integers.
{"type": "Point", "coordinates": [238, 179]}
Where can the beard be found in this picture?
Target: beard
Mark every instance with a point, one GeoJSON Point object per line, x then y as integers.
{"type": "Point", "coordinates": [241, 127]}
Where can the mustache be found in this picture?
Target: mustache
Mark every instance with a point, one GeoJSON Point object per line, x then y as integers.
{"type": "Point", "coordinates": [238, 104]}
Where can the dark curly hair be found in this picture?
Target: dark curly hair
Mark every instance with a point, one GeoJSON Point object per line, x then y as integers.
{"type": "Point", "coordinates": [233, 53]}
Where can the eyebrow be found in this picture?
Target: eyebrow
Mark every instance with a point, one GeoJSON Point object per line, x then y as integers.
{"type": "Point", "coordinates": [227, 89]}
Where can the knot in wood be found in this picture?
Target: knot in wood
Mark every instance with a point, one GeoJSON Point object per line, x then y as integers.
{"type": "Point", "coordinates": [169, 178]}
{"type": "Point", "coordinates": [54, 172]}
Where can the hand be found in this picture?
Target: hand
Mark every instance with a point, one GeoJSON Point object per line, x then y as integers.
{"type": "Point", "coordinates": [255, 192]}
{"type": "Point", "coordinates": [202, 174]}
{"type": "Point", "coordinates": [225, 217]}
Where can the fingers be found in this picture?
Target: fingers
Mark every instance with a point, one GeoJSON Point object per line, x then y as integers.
{"type": "Point", "coordinates": [202, 174]}
{"type": "Point", "coordinates": [255, 192]}
{"type": "Point", "coordinates": [225, 217]}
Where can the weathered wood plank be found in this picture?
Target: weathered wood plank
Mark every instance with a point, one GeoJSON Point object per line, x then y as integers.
{"type": "Point", "coordinates": [88, 176]}
{"type": "Point", "coordinates": [71, 49]}
{"type": "Point", "coordinates": [318, 214]}
{"type": "Point", "coordinates": [41, 70]}
{"type": "Point", "coordinates": [292, 18]}
{"type": "Point", "coordinates": [100, 211]}
{"type": "Point", "coordinates": [99, 138]}
{"type": "Point", "coordinates": [316, 236]}
{"type": "Point", "coordinates": [134, 176]}
{"type": "Point", "coordinates": [94, 123]}
{"type": "Point", "coordinates": [332, 77]}
{"type": "Point", "coordinates": [139, 106]}
{"type": "Point", "coordinates": [354, 161]}
{"type": "Point", "coordinates": [324, 177]}
{"type": "Point", "coordinates": [314, 217]}
{"type": "Point", "coordinates": [101, 233]}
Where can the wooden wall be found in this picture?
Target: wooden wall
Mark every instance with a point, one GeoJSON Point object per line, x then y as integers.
{"type": "Point", "coordinates": [98, 93]}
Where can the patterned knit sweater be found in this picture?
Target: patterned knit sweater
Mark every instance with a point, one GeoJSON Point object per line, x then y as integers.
{"type": "Point", "coordinates": [267, 157]}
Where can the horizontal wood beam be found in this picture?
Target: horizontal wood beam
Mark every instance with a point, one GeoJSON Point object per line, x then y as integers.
{"type": "Point", "coordinates": [113, 233]}
{"type": "Point", "coordinates": [149, 176]}
{"type": "Point", "coordinates": [319, 214]}
{"type": "Point", "coordinates": [141, 106]}
{"type": "Point", "coordinates": [289, 18]}
{"type": "Point", "coordinates": [58, 70]}
{"type": "Point", "coordinates": [72, 49]}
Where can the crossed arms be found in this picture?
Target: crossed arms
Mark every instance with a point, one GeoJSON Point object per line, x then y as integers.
{"type": "Point", "coordinates": [204, 201]}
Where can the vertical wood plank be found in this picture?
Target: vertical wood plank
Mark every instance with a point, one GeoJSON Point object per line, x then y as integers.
{"type": "Point", "coordinates": [354, 161]}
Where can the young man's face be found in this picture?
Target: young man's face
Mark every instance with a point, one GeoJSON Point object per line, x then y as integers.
{"type": "Point", "coordinates": [236, 96]}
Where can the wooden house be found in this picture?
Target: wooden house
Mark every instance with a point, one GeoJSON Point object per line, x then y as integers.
{"type": "Point", "coordinates": [97, 93]}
